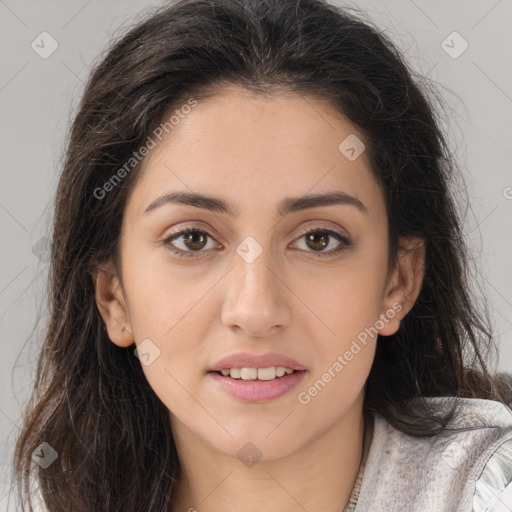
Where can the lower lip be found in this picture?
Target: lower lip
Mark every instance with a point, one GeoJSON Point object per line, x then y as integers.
{"type": "Point", "coordinates": [255, 391]}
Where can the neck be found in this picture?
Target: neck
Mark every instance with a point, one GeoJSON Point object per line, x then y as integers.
{"type": "Point", "coordinates": [318, 476]}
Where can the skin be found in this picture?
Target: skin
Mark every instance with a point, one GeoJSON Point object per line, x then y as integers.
{"type": "Point", "coordinates": [254, 152]}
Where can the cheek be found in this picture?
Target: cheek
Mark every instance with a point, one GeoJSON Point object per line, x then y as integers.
{"type": "Point", "coordinates": [348, 301]}
{"type": "Point", "coordinates": [163, 294]}
{"type": "Point", "coordinates": [344, 352]}
{"type": "Point", "coordinates": [348, 298]}
{"type": "Point", "coordinates": [165, 307]}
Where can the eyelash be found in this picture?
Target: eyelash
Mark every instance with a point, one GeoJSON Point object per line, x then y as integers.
{"type": "Point", "coordinates": [345, 243]}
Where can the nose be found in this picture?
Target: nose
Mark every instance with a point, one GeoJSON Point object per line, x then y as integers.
{"type": "Point", "coordinates": [257, 298]}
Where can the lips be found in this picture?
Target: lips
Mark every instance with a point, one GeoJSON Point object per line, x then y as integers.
{"type": "Point", "coordinates": [256, 391]}
{"type": "Point", "coordinates": [248, 360]}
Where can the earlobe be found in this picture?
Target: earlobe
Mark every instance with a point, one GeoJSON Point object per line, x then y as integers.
{"type": "Point", "coordinates": [111, 304]}
{"type": "Point", "coordinates": [404, 286]}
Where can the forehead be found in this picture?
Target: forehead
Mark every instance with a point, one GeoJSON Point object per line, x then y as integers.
{"type": "Point", "coordinates": [245, 146]}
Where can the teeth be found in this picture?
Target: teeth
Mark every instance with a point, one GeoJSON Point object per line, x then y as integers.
{"type": "Point", "coordinates": [267, 373]}
{"type": "Point", "coordinates": [248, 373]}
{"type": "Point", "coordinates": [256, 373]}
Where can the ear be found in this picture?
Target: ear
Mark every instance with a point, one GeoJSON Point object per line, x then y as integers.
{"type": "Point", "coordinates": [111, 304]}
{"type": "Point", "coordinates": [404, 284]}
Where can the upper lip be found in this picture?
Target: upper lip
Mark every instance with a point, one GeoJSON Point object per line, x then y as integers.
{"type": "Point", "coordinates": [248, 360]}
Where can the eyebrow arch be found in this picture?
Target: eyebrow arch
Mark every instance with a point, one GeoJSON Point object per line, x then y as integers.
{"type": "Point", "coordinates": [287, 205]}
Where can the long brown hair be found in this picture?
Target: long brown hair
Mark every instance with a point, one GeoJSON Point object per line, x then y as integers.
{"type": "Point", "coordinates": [91, 401]}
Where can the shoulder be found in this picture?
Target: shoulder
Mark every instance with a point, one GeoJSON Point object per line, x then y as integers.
{"type": "Point", "coordinates": [493, 469]}
{"type": "Point", "coordinates": [483, 428]}
{"type": "Point", "coordinates": [493, 488]}
{"type": "Point", "coordinates": [460, 470]}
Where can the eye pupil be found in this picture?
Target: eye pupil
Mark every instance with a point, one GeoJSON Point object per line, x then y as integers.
{"type": "Point", "coordinates": [315, 236]}
{"type": "Point", "coordinates": [190, 240]}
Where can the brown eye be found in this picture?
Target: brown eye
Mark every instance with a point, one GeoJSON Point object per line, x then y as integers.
{"type": "Point", "coordinates": [193, 240]}
{"type": "Point", "coordinates": [316, 240]}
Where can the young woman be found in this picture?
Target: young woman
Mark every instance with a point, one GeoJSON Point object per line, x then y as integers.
{"type": "Point", "coordinates": [259, 294]}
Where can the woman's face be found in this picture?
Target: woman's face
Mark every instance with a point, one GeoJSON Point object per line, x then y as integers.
{"type": "Point", "coordinates": [251, 280]}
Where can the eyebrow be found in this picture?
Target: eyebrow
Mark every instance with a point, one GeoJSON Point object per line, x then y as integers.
{"type": "Point", "coordinates": [286, 206]}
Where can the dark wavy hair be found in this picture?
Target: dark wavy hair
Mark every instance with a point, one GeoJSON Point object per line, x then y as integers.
{"type": "Point", "coordinates": [91, 400]}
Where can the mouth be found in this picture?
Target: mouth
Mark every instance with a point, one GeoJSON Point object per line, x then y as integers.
{"type": "Point", "coordinates": [256, 385]}
{"type": "Point", "coordinates": [258, 374]}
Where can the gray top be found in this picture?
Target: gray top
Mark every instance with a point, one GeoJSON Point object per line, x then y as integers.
{"type": "Point", "coordinates": [465, 471]}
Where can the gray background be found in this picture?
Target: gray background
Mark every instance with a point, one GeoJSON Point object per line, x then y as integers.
{"type": "Point", "coordinates": [38, 97]}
